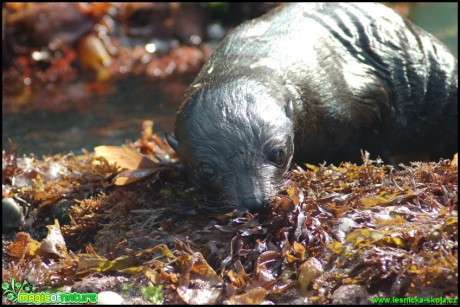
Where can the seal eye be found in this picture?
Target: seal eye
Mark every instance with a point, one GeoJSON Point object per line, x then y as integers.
{"type": "Point", "coordinates": [277, 157]}
{"type": "Point", "coordinates": [207, 171]}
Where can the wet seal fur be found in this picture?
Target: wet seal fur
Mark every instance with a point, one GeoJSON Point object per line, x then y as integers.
{"type": "Point", "coordinates": [314, 82]}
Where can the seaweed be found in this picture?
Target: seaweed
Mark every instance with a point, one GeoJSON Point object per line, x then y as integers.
{"type": "Point", "coordinates": [393, 232]}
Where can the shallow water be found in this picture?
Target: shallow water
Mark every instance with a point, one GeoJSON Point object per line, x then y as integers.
{"type": "Point", "coordinates": [110, 120]}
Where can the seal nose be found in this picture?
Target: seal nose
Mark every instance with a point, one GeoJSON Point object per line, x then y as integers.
{"type": "Point", "coordinates": [254, 204]}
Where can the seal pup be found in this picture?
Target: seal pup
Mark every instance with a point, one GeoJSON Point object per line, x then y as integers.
{"type": "Point", "coordinates": [314, 82]}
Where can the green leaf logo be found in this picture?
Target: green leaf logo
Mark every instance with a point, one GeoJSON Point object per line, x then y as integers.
{"type": "Point", "coordinates": [12, 290]}
{"type": "Point", "coordinates": [5, 286]}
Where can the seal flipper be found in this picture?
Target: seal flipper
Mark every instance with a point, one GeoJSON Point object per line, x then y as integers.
{"type": "Point", "coordinates": [172, 141]}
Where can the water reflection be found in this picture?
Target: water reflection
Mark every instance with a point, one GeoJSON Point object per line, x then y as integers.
{"type": "Point", "coordinates": [103, 120]}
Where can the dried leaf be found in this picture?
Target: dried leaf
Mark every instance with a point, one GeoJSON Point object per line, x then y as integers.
{"type": "Point", "coordinates": [312, 167]}
{"type": "Point", "coordinates": [238, 277]}
{"type": "Point", "coordinates": [199, 284]}
{"type": "Point", "coordinates": [336, 247]}
{"type": "Point", "coordinates": [300, 249]}
{"type": "Point", "coordinates": [309, 271]}
{"type": "Point", "coordinates": [454, 161]}
{"type": "Point", "coordinates": [452, 220]}
{"type": "Point", "coordinates": [395, 241]}
{"type": "Point", "coordinates": [254, 296]}
{"type": "Point", "coordinates": [131, 176]}
{"type": "Point", "coordinates": [125, 263]}
{"type": "Point", "coordinates": [360, 235]}
{"type": "Point", "coordinates": [99, 264]}
{"type": "Point", "coordinates": [291, 191]}
{"type": "Point", "coordinates": [265, 269]}
{"type": "Point", "coordinates": [24, 245]}
{"type": "Point", "coordinates": [124, 157]}
{"type": "Point", "coordinates": [54, 242]}
{"type": "Point", "coordinates": [391, 221]}
{"type": "Point", "coordinates": [385, 200]}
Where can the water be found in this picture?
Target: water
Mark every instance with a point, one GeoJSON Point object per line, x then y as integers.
{"type": "Point", "coordinates": [441, 20]}
{"type": "Point", "coordinates": [104, 120]}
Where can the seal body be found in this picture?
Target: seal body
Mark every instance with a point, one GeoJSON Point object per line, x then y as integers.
{"type": "Point", "coordinates": [314, 82]}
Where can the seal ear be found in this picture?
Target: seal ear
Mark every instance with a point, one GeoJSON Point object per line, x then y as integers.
{"type": "Point", "coordinates": [289, 109]}
{"type": "Point", "coordinates": [172, 141]}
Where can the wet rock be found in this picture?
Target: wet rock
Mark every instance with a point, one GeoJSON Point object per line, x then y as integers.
{"type": "Point", "coordinates": [12, 216]}
{"type": "Point", "coordinates": [350, 295]}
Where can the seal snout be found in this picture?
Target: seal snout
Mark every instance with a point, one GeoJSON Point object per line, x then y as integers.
{"type": "Point", "coordinates": [254, 203]}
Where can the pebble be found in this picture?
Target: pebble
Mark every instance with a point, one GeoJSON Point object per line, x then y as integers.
{"type": "Point", "coordinates": [109, 298]}
{"type": "Point", "coordinates": [11, 214]}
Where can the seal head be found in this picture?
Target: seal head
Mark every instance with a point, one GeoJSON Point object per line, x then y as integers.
{"type": "Point", "coordinates": [236, 139]}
